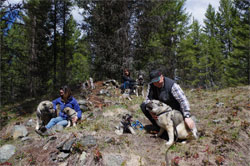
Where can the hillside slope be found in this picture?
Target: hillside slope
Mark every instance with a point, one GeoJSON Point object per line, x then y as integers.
{"type": "Point", "coordinates": [223, 119]}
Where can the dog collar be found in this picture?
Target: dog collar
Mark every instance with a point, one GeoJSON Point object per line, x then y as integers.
{"type": "Point", "coordinates": [162, 113]}
{"type": "Point", "coordinates": [72, 114]}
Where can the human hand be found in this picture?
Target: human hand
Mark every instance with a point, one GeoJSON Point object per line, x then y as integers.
{"type": "Point", "coordinates": [74, 119]}
{"type": "Point", "coordinates": [189, 122]}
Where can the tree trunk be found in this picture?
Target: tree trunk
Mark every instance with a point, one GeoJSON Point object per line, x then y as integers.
{"type": "Point", "coordinates": [55, 44]}
{"type": "Point", "coordinates": [33, 57]}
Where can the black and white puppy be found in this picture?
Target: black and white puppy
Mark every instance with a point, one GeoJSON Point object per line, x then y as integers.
{"type": "Point", "coordinates": [125, 125]}
{"type": "Point", "coordinates": [170, 120]}
{"type": "Point", "coordinates": [44, 113]}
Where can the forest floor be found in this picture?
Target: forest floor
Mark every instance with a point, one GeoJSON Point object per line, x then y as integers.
{"type": "Point", "coordinates": [223, 119]}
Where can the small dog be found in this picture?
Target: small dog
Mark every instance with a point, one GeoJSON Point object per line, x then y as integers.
{"type": "Point", "coordinates": [139, 86]}
{"type": "Point", "coordinates": [71, 114]}
{"type": "Point", "coordinates": [44, 113]}
{"type": "Point", "coordinates": [125, 125]}
{"type": "Point", "coordinates": [125, 95]}
{"type": "Point", "coordinates": [170, 120]}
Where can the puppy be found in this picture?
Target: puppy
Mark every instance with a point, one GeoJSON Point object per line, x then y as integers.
{"type": "Point", "coordinates": [44, 113]}
{"type": "Point", "coordinates": [139, 86]}
{"type": "Point", "coordinates": [125, 125]}
{"type": "Point", "coordinates": [71, 114]}
{"type": "Point", "coordinates": [170, 120]}
{"type": "Point", "coordinates": [125, 95]}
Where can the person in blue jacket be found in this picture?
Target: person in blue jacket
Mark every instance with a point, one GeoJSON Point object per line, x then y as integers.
{"type": "Point", "coordinates": [65, 100]}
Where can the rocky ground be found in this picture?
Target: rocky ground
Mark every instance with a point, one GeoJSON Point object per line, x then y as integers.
{"type": "Point", "coordinates": [223, 119]}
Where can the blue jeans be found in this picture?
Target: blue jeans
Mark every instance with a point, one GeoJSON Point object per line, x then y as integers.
{"type": "Point", "coordinates": [57, 121]}
{"type": "Point", "coordinates": [127, 85]}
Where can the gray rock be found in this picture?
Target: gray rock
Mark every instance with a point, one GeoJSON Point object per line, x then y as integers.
{"type": "Point", "coordinates": [30, 123]}
{"type": "Point", "coordinates": [109, 140]}
{"type": "Point", "coordinates": [216, 121]}
{"type": "Point", "coordinates": [67, 145]}
{"type": "Point", "coordinates": [82, 102]}
{"type": "Point", "coordinates": [19, 131]}
{"type": "Point", "coordinates": [113, 160]}
{"type": "Point", "coordinates": [57, 128]}
{"type": "Point", "coordinates": [63, 164]}
{"type": "Point", "coordinates": [61, 144]}
{"type": "Point", "coordinates": [62, 156]}
{"type": "Point", "coordinates": [6, 152]}
{"type": "Point", "coordinates": [83, 158]}
{"type": "Point", "coordinates": [88, 141]}
{"type": "Point", "coordinates": [83, 108]}
{"type": "Point", "coordinates": [26, 139]}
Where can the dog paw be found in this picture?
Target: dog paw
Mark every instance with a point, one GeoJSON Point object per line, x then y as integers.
{"type": "Point", "coordinates": [119, 132]}
{"type": "Point", "coordinates": [169, 143]}
{"type": "Point", "coordinates": [195, 134]}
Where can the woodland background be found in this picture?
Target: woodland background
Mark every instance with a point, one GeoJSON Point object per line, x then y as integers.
{"type": "Point", "coordinates": [48, 48]}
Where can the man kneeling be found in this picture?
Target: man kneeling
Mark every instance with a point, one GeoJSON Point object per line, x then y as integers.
{"type": "Point", "coordinates": [167, 91]}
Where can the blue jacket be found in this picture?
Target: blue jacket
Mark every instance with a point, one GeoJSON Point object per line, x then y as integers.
{"type": "Point", "coordinates": [71, 102]}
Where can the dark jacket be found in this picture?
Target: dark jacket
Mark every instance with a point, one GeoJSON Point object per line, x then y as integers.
{"type": "Point", "coordinates": [72, 103]}
{"type": "Point", "coordinates": [127, 78]}
{"type": "Point", "coordinates": [164, 94]}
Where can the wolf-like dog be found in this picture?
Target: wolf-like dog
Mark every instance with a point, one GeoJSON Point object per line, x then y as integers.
{"type": "Point", "coordinates": [44, 113]}
{"type": "Point", "coordinates": [139, 86]}
{"type": "Point", "coordinates": [170, 120]}
{"type": "Point", "coordinates": [71, 114]}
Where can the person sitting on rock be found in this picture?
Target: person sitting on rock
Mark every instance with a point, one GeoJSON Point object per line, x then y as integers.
{"type": "Point", "coordinates": [65, 100]}
{"type": "Point", "coordinates": [127, 81]}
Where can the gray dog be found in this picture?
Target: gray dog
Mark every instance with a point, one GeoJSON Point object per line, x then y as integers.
{"type": "Point", "coordinates": [170, 120]}
{"type": "Point", "coordinates": [71, 114]}
{"type": "Point", "coordinates": [139, 86]}
{"type": "Point", "coordinates": [44, 113]}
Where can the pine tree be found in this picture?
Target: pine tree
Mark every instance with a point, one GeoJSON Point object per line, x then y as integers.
{"type": "Point", "coordinates": [167, 24]}
{"type": "Point", "coordinates": [107, 28]}
{"type": "Point", "coordinates": [239, 64]}
{"type": "Point", "coordinates": [191, 63]}
{"type": "Point", "coordinates": [225, 24]}
{"type": "Point", "coordinates": [213, 49]}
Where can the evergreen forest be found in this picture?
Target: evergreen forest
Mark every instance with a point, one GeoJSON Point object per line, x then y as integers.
{"type": "Point", "coordinates": [42, 46]}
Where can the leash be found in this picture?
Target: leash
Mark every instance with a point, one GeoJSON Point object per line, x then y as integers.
{"type": "Point", "coordinates": [137, 123]}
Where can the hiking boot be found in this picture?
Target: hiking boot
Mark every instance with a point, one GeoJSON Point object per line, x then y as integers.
{"type": "Point", "coordinates": [43, 129]}
{"type": "Point", "coordinates": [39, 132]}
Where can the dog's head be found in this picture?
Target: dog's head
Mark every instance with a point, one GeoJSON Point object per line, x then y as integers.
{"type": "Point", "coordinates": [140, 79]}
{"type": "Point", "coordinates": [127, 91]}
{"type": "Point", "coordinates": [47, 107]}
{"type": "Point", "coordinates": [69, 111]}
{"type": "Point", "coordinates": [127, 118]}
{"type": "Point", "coordinates": [157, 107]}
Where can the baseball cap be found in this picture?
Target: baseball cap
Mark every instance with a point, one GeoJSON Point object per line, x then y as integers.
{"type": "Point", "coordinates": [154, 76]}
